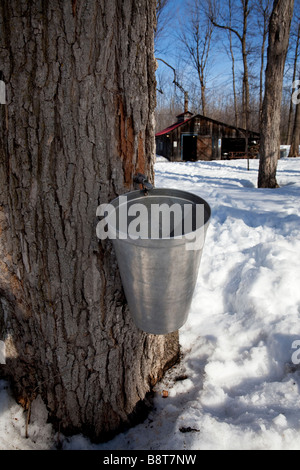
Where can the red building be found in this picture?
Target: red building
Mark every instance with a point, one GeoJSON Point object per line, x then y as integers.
{"type": "Point", "coordinates": [196, 137]}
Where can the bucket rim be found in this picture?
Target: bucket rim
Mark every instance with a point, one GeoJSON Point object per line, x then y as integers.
{"type": "Point", "coordinates": [182, 194]}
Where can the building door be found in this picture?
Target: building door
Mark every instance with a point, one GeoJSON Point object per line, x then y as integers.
{"type": "Point", "coordinates": [204, 148]}
{"type": "Point", "coordinates": [189, 147]}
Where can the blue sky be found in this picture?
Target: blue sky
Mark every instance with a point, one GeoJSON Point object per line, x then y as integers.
{"type": "Point", "coordinates": [219, 75]}
{"type": "Point", "coordinates": [170, 49]}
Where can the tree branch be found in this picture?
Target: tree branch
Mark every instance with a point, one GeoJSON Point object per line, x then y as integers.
{"type": "Point", "coordinates": [175, 76]}
{"type": "Point", "coordinates": [228, 28]}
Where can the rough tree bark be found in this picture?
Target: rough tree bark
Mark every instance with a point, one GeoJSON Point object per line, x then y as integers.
{"type": "Point", "coordinates": [264, 10]}
{"type": "Point", "coordinates": [279, 32]}
{"type": "Point", "coordinates": [78, 124]}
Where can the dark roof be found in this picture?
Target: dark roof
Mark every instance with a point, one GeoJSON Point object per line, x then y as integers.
{"type": "Point", "coordinates": [178, 124]}
{"type": "Point", "coordinates": [171, 128]}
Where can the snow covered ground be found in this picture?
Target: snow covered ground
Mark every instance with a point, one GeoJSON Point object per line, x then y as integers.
{"type": "Point", "coordinates": [239, 384]}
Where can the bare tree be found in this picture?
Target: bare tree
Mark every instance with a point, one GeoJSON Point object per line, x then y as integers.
{"type": "Point", "coordinates": [263, 8]}
{"type": "Point", "coordinates": [295, 138]}
{"type": "Point", "coordinates": [196, 35]}
{"type": "Point", "coordinates": [242, 37]}
{"type": "Point", "coordinates": [163, 20]}
{"type": "Point", "coordinates": [236, 118]}
{"type": "Point", "coordinates": [291, 110]}
{"type": "Point", "coordinates": [78, 124]}
{"type": "Point", "coordinates": [279, 31]}
{"type": "Point", "coordinates": [175, 79]}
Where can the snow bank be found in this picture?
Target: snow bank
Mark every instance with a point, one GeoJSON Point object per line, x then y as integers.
{"type": "Point", "coordinates": [237, 386]}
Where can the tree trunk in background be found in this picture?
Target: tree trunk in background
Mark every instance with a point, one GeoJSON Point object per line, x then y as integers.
{"type": "Point", "coordinates": [242, 37]}
{"type": "Point", "coordinates": [246, 88]}
{"type": "Point", "coordinates": [78, 124]}
{"type": "Point", "coordinates": [291, 122]}
{"type": "Point", "coordinates": [279, 31]}
{"type": "Point", "coordinates": [264, 9]}
{"type": "Point", "coordinates": [294, 149]}
{"type": "Point", "coordinates": [236, 116]}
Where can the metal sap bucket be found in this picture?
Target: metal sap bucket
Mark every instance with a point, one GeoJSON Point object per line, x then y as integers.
{"type": "Point", "coordinates": [158, 265]}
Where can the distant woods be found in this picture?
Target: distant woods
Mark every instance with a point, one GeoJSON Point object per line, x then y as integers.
{"type": "Point", "coordinates": [219, 51]}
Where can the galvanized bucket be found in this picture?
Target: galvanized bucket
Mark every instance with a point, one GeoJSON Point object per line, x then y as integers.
{"type": "Point", "coordinates": [159, 255]}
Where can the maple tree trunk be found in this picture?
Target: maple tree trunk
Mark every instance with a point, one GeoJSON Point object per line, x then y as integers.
{"type": "Point", "coordinates": [295, 134]}
{"type": "Point", "coordinates": [295, 140]}
{"type": "Point", "coordinates": [291, 121]}
{"type": "Point", "coordinates": [279, 31]}
{"type": "Point", "coordinates": [78, 124]}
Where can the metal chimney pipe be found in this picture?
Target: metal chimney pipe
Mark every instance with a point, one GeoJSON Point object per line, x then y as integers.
{"type": "Point", "coordinates": [186, 101]}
